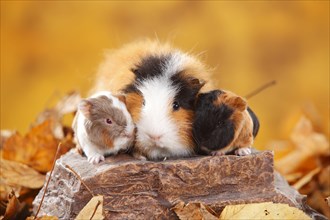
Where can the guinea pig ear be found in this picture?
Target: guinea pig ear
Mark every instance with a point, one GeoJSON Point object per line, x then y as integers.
{"type": "Point", "coordinates": [239, 103]}
{"type": "Point", "coordinates": [196, 84]}
{"type": "Point", "coordinates": [122, 98]}
{"type": "Point", "coordinates": [85, 107]}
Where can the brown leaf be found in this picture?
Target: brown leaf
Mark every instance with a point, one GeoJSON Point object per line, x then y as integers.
{"type": "Point", "coordinates": [13, 207]}
{"type": "Point", "coordinates": [92, 210]}
{"type": "Point", "coordinates": [14, 173]}
{"type": "Point", "coordinates": [194, 211]}
{"type": "Point", "coordinates": [307, 178]}
{"type": "Point", "coordinates": [308, 146]}
{"type": "Point", "coordinates": [36, 149]}
{"type": "Point", "coordinates": [267, 210]}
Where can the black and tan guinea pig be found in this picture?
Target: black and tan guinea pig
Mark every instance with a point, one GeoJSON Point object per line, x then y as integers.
{"type": "Point", "coordinates": [161, 84]}
{"type": "Point", "coordinates": [224, 123]}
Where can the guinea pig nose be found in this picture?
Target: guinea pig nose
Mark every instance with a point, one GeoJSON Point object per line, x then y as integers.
{"type": "Point", "coordinates": [154, 137]}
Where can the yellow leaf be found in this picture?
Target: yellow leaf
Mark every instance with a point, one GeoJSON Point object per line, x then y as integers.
{"type": "Point", "coordinates": [17, 174]}
{"type": "Point", "coordinates": [92, 210]}
{"type": "Point", "coordinates": [46, 217]}
{"type": "Point", "coordinates": [196, 211]}
{"type": "Point", "coordinates": [267, 210]}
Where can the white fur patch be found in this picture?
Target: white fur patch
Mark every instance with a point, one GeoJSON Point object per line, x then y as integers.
{"type": "Point", "coordinates": [155, 120]}
{"type": "Point", "coordinates": [175, 64]}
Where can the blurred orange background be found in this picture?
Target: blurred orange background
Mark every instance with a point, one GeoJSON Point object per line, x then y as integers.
{"type": "Point", "coordinates": [49, 48]}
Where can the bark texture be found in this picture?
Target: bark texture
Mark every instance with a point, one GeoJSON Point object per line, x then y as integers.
{"type": "Point", "coordinates": [134, 189]}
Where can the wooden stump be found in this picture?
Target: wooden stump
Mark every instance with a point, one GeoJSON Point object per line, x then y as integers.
{"type": "Point", "coordinates": [134, 189]}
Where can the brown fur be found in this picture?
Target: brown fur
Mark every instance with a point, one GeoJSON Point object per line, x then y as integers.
{"type": "Point", "coordinates": [106, 140]}
{"type": "Point", "coordinates": [241, 119]}
{"type": "Point", "coordinates": [185, 127]}
{"type": "Point", "coordinates": [133, 104]}
{"type": "Point", "coordinates": [97, 110]}
{"type": "Point", "coordinates": [116, 73]}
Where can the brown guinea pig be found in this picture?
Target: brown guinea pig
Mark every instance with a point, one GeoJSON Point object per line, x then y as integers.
{"type": "Point", "coordinates": [224, 123]}
{"type": "Point", "coordinates": [161, 84]}
{"type": "Point", "coordinates": [103, 126]}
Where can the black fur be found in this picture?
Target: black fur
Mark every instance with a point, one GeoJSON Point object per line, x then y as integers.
{"type": "Point", "coordinates": [152, 66]}
{"type": "Point", "coordinates": [212, 127]}
{"type": "Point", "coordinates": [256, 123]}
{"type": "Point", "coordinates": [188, 89]}
{"type": "Point", "coordinates": [149, 67]}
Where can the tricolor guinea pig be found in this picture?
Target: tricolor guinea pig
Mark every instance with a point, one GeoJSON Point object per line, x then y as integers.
{"type": "Point", "coordinates": [103, 126]}
{"type": "Point", "coordinates": [224, 123]}
{"type": "Point", "coordinates": [161, 84]}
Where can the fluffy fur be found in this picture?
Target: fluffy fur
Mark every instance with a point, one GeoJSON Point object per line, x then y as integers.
{"type": "Point", "coordinates": [223, 123]}
{"type": "Point", "coordinates": [103, 126]}
{"type": "Point", "coordinates": [161, 85]}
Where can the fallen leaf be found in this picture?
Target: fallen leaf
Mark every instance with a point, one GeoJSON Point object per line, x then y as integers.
{"type": "Point", "coordinates": [14, 207]}
{"type": "Point", "coordinates": [307, 178]}
{"type": "Point", "coordinates": [267, 210]}
{"type": "Point", "coordinates": [46, 217]}
{"type": "Point", "coordinates": [308, 146]}
{"type": "Point", "coordinates": [196, 211]}
{"type": "Point", "coordinates": [15, 173]}
{"type": "Point", "coordinates": [4, 135]}
{"type": "Point", "coordinates": [92, 210]}
{"type": "Point", "coordinates": [36, 149]}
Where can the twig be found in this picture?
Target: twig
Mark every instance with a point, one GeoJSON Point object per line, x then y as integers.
{"type": "Point", "coordinates": [78, 176]}
{"type": "Point", "coordinates": [255, 92]}
{"type": "Point", "coordinates": [50, 176]}
{"type": "Point", "coordinates": [97, 205]}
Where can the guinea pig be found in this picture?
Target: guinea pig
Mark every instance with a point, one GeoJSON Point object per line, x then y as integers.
{"type": "Point", "coordinates": [160, 84]}
{"type": "Point", "coordinates": [224, 123]}
{"type": "Point", "coordinates": [103, 126]}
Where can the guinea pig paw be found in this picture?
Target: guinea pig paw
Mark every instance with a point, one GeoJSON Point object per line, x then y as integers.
{"type": "Point", "coordinates": [243, 151]}
{"type": "Point", "coordinates": [95, 159]}
{"type": "Point", "coordinates": [217, 153]}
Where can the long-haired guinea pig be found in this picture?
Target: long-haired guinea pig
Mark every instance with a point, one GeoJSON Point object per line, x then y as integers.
{"type": "Point", "coordinates": [161, 84]}
{"type": "Point", "coordinates": [103, 126]}
{"type": "Point", "coordinates": [224, 123]}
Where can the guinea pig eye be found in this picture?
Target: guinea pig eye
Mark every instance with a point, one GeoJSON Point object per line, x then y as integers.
{"type": "Point", "coordinates": [143, 102]}
{"type": "Point", "coordinates": [109, 121]}
{"type": "Point", "coordinates": [176, 106]}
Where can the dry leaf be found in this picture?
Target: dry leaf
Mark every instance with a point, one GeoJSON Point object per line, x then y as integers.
{"type": "Point", "coordinates": [196, 211]}
{"type": "Point", "coordinates": [267, 210]}
{"type": "Point", "coordinates": [14, 173]}
{"type": "Point", "coordinates": [308, 146]}
{"type": "Point", "coordinates": [307, 178]}
{"type": "Point", "coordinates": [93, 208]}
{"type": "Point", "coordinates": [46, 217]}
{"type": "Point", "coordinates": [36, 149]}
{"type": "Point", "coordinates": [14, 207]}
{"type": "Point", "coordinates": [4, 135]}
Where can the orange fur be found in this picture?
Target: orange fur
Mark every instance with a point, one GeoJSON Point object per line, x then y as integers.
{"type": "Point", "coordinates": [115, 73]}
{"type": "Point", "coordinates": [133, 104]}
{"type": "Point", "coordinates": [185, 127]}
{"type": "Point", "coordinates": [106, 140]}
